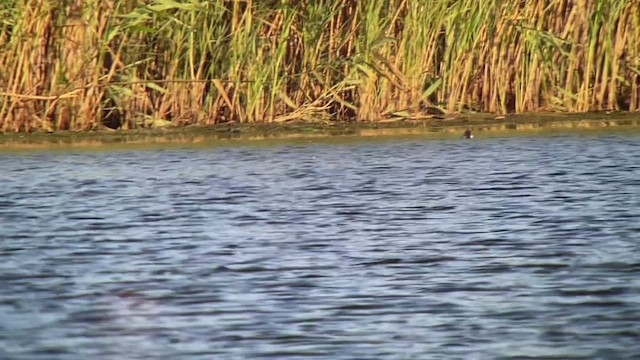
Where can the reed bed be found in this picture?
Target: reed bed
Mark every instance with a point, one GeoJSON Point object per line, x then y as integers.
{"type": "Point", "coordinates": [85, 64]}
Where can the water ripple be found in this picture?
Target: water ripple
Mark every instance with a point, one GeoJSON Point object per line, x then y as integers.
{"type": "Point", "coordinates": [383, 249]}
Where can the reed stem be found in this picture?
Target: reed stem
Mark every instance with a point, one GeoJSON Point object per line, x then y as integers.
{"type": "Point", "coordinates": [82, 65]}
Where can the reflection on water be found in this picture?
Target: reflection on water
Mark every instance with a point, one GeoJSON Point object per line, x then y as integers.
{"type": "Point", "coordinates": [503, 248]}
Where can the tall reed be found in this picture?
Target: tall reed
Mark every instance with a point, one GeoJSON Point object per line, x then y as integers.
{"type": "Point", "coordinates": [81, 65]}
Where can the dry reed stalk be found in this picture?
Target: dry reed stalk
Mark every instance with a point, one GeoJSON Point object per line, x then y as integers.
{"type": "Point", "coordinates": [258, 61]}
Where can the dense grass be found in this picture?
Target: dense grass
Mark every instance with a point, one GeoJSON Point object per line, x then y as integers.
{"type": "Point", "coordinates": [73, 64]}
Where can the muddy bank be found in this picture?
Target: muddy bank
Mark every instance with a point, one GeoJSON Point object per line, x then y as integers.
{"type": "Point", "coordinates": [444, 127]}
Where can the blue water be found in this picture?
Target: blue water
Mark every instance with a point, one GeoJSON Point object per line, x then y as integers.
{"type": "Point", "coordinates": [500, 248]}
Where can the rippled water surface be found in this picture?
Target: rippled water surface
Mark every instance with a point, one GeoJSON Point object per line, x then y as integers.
{"type": "Point", "coordinates": [502, 248]}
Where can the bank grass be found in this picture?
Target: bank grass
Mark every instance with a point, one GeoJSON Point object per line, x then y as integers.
{"type": "Point", "coordinates": [82, 65]}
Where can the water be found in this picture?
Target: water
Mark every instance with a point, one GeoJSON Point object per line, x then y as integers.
{"type": "Point", "coordinates": [502, 248]}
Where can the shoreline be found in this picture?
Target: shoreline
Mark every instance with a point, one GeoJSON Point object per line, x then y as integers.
{"type": "Point", "coordinates": [441, 127]}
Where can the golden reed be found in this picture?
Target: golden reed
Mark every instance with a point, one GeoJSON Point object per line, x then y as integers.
{"type": "Point", "coordinates": [82, 65]}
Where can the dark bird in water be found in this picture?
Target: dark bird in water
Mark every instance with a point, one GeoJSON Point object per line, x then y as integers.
{"type": "Point", "coordinates": [467, 134]}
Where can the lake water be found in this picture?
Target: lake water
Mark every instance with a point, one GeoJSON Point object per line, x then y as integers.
{"type": "Point", "coordinates": [523, 247]}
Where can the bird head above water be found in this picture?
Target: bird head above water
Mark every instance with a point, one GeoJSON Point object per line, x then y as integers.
{"type": "Point", "coordinates": [467, 134]}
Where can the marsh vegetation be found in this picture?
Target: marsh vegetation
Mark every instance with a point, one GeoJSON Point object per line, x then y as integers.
{"type": "Point", "coordinates": [80, 65]}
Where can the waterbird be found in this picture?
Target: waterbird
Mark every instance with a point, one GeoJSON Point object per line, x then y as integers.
{"type": "Point", "coordinates": [467, 134]}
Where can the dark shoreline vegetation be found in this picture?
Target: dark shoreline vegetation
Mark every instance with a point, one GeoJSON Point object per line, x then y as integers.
{"type": "Point", "coordinates": [125, 64]}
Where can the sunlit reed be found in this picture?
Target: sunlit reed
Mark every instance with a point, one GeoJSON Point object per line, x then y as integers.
{"type": "Point", "coordinates": [82, 65]}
